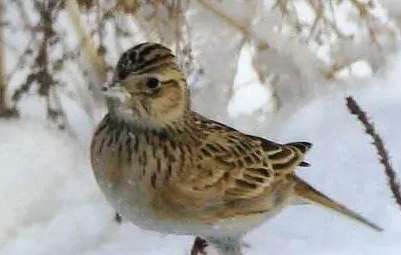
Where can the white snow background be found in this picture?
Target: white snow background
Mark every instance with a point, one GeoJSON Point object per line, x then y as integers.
{"type": "Point", "coordinates": [50, 203]}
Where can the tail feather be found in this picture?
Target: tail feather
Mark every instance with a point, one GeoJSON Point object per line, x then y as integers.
{"type": "Point", "coordinates": [307, 193]}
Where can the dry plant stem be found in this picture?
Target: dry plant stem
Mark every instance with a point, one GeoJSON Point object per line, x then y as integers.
{"type": "Point", "coordinates": [44, 77]}
{"type": "Point", "coordinates": [5, 111]}
{"type": "Point", "coordinates": [248, 34]}
{"type": "Point", "coordinates": [199, 246]}
{"type": "Point", "coordinates": [97, 63]}
{"type": "Point", "coordinates": [234, 23]}
{"type": "Point", "coordinates": [229, 20]}
{"type": "Point", "coordinates": [3, 106]}
{"type": "Point", "coordinates": [41, 69]}
{"type": "Point", "coordinates": [381, 150]}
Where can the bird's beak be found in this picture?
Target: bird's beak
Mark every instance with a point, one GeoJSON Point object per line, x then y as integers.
{"type": "Point", "coordinates": [114, 90]}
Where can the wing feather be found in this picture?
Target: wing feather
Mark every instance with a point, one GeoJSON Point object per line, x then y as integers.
{"type": "Point", "coordinates": [242, 166]}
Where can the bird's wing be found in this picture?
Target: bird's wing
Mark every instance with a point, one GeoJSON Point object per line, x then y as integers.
{"type": "Point", "coordinates": [237, 166]}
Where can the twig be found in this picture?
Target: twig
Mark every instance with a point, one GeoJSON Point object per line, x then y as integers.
{"type": "Point", "coordinates": [5, 110]}
{"type": "Point", "coordinates": [97, 63]}
{"type": "Point", "coordinates": [229, 20]}
{"type": "Point", "coordinates": [3, 106]}
{"type": "Point", "coordinates": [381, 150]}
{"type": "Point", "coordinates": [234, 23]}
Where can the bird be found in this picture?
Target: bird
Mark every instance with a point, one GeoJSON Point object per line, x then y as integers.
{"type": "Point", "coordinates": [169, 169]}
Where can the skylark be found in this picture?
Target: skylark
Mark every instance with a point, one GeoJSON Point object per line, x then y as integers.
{"type": "Point", "coordinates": [169, 169]}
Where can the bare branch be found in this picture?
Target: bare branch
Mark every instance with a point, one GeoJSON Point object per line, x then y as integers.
{"type": "Point", "coordinates": [381, 149]}
{"type": "Point", "coordinates": [2, 67]}
{"type": "Point", "coordinates": [234, 23]}
{"type": "Point", "coordinates": [97, 63]}
{"type": "Point", "coordinates": [4, 110]}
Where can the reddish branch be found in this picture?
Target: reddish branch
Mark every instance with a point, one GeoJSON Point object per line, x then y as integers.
{"type": "Point", "coordinates": [381, 150]}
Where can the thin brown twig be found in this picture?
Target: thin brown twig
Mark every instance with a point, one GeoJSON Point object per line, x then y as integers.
{"type": "Point", "coordinates": [355, 109]}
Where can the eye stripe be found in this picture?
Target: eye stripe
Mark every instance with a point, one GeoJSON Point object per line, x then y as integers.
{"type": "Point", "coordinates": [168, 81]}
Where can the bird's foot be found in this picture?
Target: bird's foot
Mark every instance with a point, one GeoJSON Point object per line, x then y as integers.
{"type": "Point", "coordinates": [199, 246]}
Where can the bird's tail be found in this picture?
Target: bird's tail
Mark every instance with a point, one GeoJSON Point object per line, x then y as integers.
{"type": "Point", "coordinates": [306, 192]}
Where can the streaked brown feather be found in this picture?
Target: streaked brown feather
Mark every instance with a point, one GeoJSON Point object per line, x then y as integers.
{"type": "Point", "coordinates": [242, 166]}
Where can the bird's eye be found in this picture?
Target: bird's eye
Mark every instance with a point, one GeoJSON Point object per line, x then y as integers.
{"type": "Point", "coordinates": [152, 83]}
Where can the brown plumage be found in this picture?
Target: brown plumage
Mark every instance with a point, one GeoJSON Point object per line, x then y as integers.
{"type": "Point", "coordinates": [169, 169]}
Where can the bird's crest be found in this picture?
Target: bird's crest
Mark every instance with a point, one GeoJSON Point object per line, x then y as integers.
{"type": "Point", "coordinates": [143, 58]}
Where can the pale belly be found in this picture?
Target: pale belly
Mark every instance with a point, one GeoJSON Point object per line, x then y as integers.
{"type": "Point", "coordinates": [132, 202]}
{"type": "Point", "coordinates": [137, 210]}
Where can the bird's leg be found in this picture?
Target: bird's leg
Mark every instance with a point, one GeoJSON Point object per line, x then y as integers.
{"type": "Point", "coordinates": [117, 218]}
{"type": "Point", "coordinates": [199, 246]}
{"type": "Point", "coordinates": [226, 245]}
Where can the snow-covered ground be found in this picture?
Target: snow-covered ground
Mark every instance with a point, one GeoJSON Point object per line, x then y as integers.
{"type": "Point", "coordinates": [50, 203]}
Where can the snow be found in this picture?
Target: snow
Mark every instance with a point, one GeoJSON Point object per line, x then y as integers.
{"type": "Point", "coordinates": [50, 203]}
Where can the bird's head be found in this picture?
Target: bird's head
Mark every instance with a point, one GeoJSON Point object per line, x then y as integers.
{"type": "Point", "coordinates": [148, 87]}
